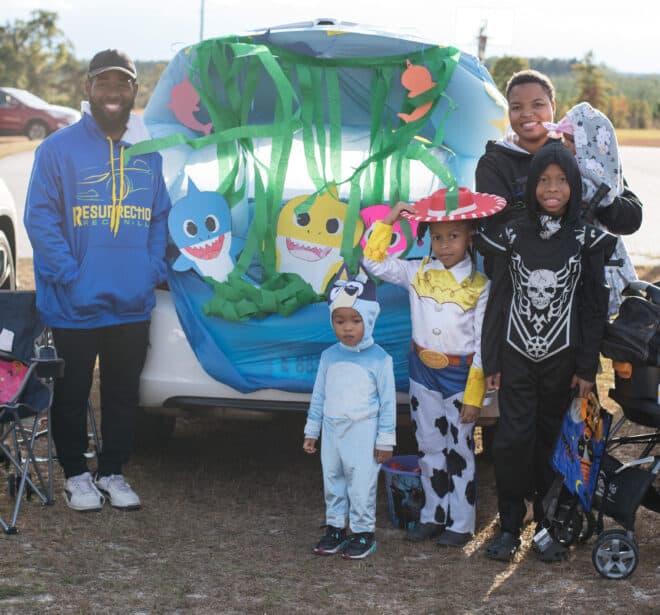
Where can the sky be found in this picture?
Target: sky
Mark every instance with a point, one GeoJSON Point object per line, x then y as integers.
{"type": "Point", "coordinates": [621, 34]}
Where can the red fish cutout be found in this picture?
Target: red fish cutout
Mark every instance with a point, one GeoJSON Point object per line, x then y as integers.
{"type": "Point", "coordinates": [185, 101]}
{"type": "Point", "coordinates": [417, 80]}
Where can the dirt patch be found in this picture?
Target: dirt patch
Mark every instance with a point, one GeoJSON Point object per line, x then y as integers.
{"type": "Point", "coordinates": [25, 274]}
{"type": "Point", "coordinates": [636, 142]}
{"type": "Point", "coordinates": [231, 509]}
{"type": "Point", "coordinates": [15, 145]}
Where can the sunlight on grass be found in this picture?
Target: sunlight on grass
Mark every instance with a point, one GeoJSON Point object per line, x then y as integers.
{"type": "Point", "coordinates": [637, 137]}
{"type": "Point", "coordinates": [481, 538]}
{"type": "Point", "coordinates": [16, 145]}
{"type": "Point", "coordinates": [503, 576]}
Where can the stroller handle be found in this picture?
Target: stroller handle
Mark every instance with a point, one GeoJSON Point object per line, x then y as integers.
{"type": "Point", "coordinates": [643, 288]}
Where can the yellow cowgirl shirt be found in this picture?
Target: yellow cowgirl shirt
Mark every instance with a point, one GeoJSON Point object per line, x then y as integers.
{"type": "Point", "coordinates": [447, 306]}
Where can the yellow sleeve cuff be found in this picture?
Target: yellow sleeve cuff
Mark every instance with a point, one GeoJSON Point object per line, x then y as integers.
{"type": "Point", "coordinates": [378, 242]}
{"type": "Point", "coordinates": [475, 388]}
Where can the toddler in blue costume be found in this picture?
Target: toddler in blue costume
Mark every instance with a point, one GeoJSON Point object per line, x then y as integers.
{"type": "Point", "coordinates": [354, 403]}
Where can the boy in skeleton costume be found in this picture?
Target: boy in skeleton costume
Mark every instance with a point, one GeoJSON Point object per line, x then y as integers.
{"type": "Point", "coordinates": [354, 404]}
{"type": "Point", "coordinates": [556, 301]}
{"type": "Point", "coordinates": [447, 303]}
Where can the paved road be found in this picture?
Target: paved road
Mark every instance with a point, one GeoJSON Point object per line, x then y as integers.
{"type": "Point", "coordinates": [641, 166]}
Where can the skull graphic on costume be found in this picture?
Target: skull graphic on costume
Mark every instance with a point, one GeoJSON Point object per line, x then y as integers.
{"type": "Point", "coordinates": [539, 319]}
{"type": "Point", "coordinates": [541, 288]}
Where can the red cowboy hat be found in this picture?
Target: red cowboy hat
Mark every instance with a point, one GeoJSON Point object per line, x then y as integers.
{"type": "Point", "coordinates": [471, 205]}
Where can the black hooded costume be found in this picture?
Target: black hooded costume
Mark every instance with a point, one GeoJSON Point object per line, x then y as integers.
{"type": "Point", "coordinates": [543, 324]}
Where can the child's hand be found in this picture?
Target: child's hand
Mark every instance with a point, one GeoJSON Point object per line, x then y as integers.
{"type": "Point", "coordinates": [395, 212]}
{"type": "Point", "coordinates": [584, 387]}
{"type": "Point", "coordinates": [469, 414]}
{"type": "Point", "coordinates": [309, 445]}
{"type": "Point", "coordinates": [493, 382]}
{"type": "Point", "coordinates": [383, 456]}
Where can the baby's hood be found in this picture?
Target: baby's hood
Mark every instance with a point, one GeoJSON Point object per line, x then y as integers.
{"type": "Point", "coordinates": [358, 292]}
{"type": "Point", "coordinates": [597, 152]}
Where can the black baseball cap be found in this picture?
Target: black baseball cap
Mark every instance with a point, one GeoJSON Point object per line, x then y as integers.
{"type": "Point", "coordinates": [111, 59]}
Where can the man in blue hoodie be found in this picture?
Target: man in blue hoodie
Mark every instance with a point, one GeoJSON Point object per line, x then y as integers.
{"type": "Point", "coordinates": [98, 227]}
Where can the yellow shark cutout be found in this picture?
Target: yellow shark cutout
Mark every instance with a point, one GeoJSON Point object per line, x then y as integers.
{"type": "Point", "coordinates": [441, 285]}
{"type": "Point", "coordinates": [309, 243]}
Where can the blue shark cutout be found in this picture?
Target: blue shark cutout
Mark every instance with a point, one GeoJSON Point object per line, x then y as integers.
{"type": "Point", "coordinates": [200, 226]}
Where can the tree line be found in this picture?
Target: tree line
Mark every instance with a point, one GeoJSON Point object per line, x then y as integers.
{"type": "Point", "coordinates": [36, 55]}
{"type": "Point", "coordinates": [630, 101]}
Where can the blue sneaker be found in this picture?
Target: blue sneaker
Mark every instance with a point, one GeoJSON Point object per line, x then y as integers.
{"type": "Point", "coordinates": [332, 542]}
{"type": "Point", "coordinates": [359, 545]}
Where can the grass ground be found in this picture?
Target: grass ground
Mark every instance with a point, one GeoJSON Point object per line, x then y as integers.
{"type": "Point", "coordinates": [15, 145]}
{"type": "Point", "coordinates": [231, 509]}
{"type": "Point", "coordinates": [647, 138]}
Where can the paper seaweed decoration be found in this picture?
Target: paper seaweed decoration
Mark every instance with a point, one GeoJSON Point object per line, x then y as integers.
{"type": "Point", "coordinates": [300, 127]}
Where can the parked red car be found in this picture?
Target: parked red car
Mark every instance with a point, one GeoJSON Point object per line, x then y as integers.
{"type": "Point", "coordinates": [23, 113]}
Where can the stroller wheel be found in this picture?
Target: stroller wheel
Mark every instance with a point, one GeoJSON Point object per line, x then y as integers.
{"type": "Point", "coordinates": [568, 526]}
{"type": "Point", "coordinates": [588, 527]}
{"type": "Point", "coordinates": [615, 554]}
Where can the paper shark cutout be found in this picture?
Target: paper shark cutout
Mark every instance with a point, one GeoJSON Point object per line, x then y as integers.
{"type": "Point", "coordinates": [200, 226]}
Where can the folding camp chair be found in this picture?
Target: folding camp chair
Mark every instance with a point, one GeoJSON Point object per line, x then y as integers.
{"type": "Point", "coordinates": [28, 366]}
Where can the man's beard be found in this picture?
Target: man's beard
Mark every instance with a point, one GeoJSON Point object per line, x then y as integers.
{"type": "Point", "coordinates": [110, 125]}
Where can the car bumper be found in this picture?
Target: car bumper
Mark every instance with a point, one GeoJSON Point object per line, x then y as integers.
{"type": "Point", "coordinates": [173, 377]}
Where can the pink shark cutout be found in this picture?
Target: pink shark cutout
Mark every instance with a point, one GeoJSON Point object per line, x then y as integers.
{"type": "Point", "coordinates": [374, 213]}
{"type": "Point", "coordinates": [185, 101]}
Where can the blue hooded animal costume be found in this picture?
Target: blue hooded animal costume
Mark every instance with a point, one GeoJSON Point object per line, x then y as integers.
{"type": "Point", "coordinates": [354, 404]}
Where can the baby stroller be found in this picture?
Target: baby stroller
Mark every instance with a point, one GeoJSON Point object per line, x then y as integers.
{"type": "Point", "coordinates": [632, 341]}
{"type": "Point", "coordinates": [28, 366]}
{"type": "Point", "coordinates": [611, 486]}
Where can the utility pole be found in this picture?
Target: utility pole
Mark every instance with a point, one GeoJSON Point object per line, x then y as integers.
{"type": "Point", "coordinates": [201, 21]}
{"type": "Point", "coordinates": [482, 38]}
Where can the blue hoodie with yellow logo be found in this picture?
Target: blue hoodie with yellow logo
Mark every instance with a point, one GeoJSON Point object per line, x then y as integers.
{"type": "Point", "coordinates": [98, 228]}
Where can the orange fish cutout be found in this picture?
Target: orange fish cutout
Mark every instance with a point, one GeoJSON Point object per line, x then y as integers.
{"type": "Point", "coordinates": [417, 80]}
{"type": "Point", "coordinates": [185, 101]}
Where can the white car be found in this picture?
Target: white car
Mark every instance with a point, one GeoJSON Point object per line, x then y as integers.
{"type": "Point", "coordinates": [177, 375]}
{"type": "Point", "coordinates": [7, 238]}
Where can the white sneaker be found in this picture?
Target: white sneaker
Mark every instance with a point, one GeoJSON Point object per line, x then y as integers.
{"type": "Point", "coordinates": [81, 494]}
{"type": "Point", "coordinates": [118, 491]}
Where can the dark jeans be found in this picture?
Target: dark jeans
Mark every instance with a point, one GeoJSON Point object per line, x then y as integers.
{"type": "Point", "coordinates": [533, 400]}
{"type": "Point", "coordinates": [121, 350]}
